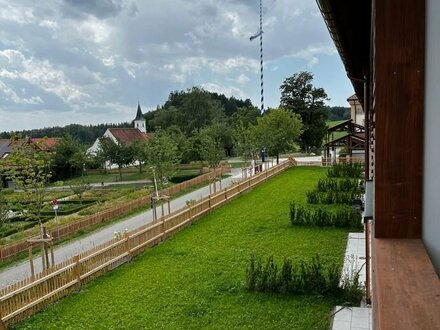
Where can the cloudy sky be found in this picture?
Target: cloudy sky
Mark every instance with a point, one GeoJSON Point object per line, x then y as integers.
{"type": "Point", "coordinates": [89, 61]}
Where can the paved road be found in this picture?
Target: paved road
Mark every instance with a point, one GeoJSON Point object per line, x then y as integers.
{"type": "Point", "coordinates": [21, 270]}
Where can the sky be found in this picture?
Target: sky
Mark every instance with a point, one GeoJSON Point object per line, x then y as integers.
{"type": "Point", "coordinates": [90, 61]}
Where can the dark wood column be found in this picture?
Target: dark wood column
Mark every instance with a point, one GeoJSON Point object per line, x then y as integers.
{"type": "Point", "coordinates": [398, 100]}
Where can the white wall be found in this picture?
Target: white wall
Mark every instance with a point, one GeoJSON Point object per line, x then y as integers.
{"type": "Point", "coordinates": [431, 178]}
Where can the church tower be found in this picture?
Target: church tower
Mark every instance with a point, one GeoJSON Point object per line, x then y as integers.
{"type": "Point", "coordinates": [139, 121]}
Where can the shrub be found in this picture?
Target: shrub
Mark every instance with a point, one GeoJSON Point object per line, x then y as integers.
{"type": "Point", "coordinates": [307, 277]}
{"type": "Point", "coordinates": [350, 170]}
{"type": "Point", "coordinates": [342, 217]}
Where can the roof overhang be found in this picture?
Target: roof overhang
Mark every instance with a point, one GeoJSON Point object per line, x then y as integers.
{"type": "Point", "coordinates": [349, 24]}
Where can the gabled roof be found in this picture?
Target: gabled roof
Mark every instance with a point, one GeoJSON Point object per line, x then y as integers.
{"type": "Point", "coordinates": [45, 143]}
{"type": "Point", "coordinates": [129, 135]}
{"type": "Point", "coordinates": [353, 98]}
{"type": "Point", "coordinates": [139, 115]}
{"type": "Point", "coordinates": [4, 147]}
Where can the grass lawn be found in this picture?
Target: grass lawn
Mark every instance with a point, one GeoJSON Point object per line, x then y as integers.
{"type": "Point", "coordinates": [195, 280]}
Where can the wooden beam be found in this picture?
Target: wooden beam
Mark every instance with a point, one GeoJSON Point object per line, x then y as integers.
{"type": "Point", "coordinates": [406, 288]}
{"type": "Point", "coordinates": [399, 51]}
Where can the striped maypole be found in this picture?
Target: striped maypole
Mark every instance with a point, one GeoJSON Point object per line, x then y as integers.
{"type": "Point", "coordinates": [261, 57]}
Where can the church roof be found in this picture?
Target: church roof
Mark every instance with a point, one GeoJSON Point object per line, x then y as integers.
{"type": "Point", "coordinates": [139, 115]}
{"type": "Point", "coordinates": [128, 135]}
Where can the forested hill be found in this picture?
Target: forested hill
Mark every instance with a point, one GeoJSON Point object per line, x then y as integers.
{"type": "Point", "coordinates": [189, 110]}
{"type": "Point", "coordinates": [85, 134]}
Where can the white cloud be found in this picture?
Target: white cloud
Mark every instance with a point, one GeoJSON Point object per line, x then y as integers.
{"type": "Point", "coordinates": [41, 74]}
{"type": "Point", "coordinates": [10, 94]}
{"type": "Point", "coordinates": [95, 30]}
{"type": "Point", "coordinates": [16, 13]}
{"type": "Point", "coordinates": [310, 54]}
{"type": "Point", "coordinates": [48, 24]}
{"type": "Point", "coordinates": [242, 79]}
{"type": "Point", "coordinates": [226, 90]}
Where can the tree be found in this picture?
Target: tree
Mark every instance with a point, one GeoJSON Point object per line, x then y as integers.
{"type": "Point", "coordinates": [244, 141]}
{"type": "Point", "coordinates": [138, 153]}
{"type": "Point", "coordinates": [29, 168]}
{"type": "Point", "coordinates": [211, 146]}
{"type": "Point", "coordinates": [300, 96]}
{"type": "Point", "coordinates": [4, 207]}
{"type": "Point", "coordinates": [246, 115]}
{"type": "Point", "coordinates": [277, 131]}
{"type": "Point", "coordinates": [79, 187]}
{"type": "Point", "coordinates": [117, 153]}
{"type": "Point", "coordinates": [69, 158]}
{"type": "Point", "coordinates": [162, 155]}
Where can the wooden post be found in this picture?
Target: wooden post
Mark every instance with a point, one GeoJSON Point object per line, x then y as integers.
{"type": "Point", "coordinates": [45, 250]}
{"type": "Point", "coordinates": [2, 324]}
{"type": "Point", "coordinates": [43, 259]}
{"type": "Point", "coordinates": [226, 196]}
{"type": "Point", "coordinates": [127, 244]}
{"type": "Point", "coordinates": [31, 262]}
{"type": "Point", "coordinates": [77, 272]}
{"type": "Point", "coordinates": [52, 255]}
{"type": "Point", "coordinates": [169, 207]}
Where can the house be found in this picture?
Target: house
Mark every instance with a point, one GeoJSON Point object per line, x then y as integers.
{"type": "Point", "coordinates": [40, 144]}
{"type": "Point", "coordinates": [348, 134]}
{"type": "Point", "coordinates": [391, 56]}
{"type": "Point", "coordinates": [7, 147]}
{"type": "Point", "coordinates": [124, 136]}
{"type": "Point", "coordinates": [357, 114]}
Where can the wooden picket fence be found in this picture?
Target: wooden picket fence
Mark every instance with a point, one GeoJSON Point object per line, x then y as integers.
{"type": "Point", "coordinates": [9, 251]}
{"type": "Point", "coordinates": [29, 296]}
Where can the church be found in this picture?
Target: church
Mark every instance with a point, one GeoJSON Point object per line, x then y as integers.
{"type": "Point", "coordinates": [125, 136]}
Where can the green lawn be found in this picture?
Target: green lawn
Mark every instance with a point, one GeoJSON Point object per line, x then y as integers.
{"type": "Point", "coordinates": [195, 280]}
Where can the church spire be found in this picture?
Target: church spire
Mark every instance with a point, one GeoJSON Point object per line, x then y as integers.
{"type": "Point", "coordinates": [139, 115]}
{"type": "Point", "coordinates": [139, 121]}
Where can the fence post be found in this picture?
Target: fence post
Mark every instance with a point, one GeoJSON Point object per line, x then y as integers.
{"type": "Point", "coordinates": [127, 244]}
{"type": "Point", "coordinates": [226, 195]}
{"type": "Point", "coordinates": [77, 272]}
{"type": "Point", "coordinates": [2, 324]}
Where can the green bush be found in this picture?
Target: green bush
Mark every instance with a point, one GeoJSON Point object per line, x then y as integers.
{"type": "Point", "coordinates": [350, 170]}
{"type": "Point", "coordinates": [342, 217]}
{"type": "Point", "coordinates": [304, 278]}
{"type": "Point", "coordinates": [332, 197]}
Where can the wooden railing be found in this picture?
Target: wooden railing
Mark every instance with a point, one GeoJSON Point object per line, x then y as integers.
{"type": "Point", "coordinates": [11, 250]}
{"type": "Point", "coordinates": [25, 298]}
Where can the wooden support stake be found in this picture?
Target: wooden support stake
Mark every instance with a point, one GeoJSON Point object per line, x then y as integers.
{"type": "Point", "coordinates": [52, 255]}
{"type": "Point", "coordinates": [127, 244]}
{"type": "Point", "coordinates": [2, 324]}
{"type": "Point", "coordinates": [43, 259]}
{"type": "Point", "coordinates": [31, 262]}
{"type": "Point", "coordinates": [77, 272]}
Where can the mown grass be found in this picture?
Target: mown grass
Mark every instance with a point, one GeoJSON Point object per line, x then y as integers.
{"type": "Point", "coordinates": [195, 280]}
